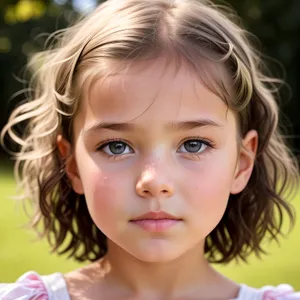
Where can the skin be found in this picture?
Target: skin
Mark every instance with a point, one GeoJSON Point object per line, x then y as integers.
{"type": "Point", "coordinates": [157, 171]}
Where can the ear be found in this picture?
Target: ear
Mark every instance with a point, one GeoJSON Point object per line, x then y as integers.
{"type": "Point", "coordinates": [65, 150]}
{"type": "Point", "coordinates": [245, 162]}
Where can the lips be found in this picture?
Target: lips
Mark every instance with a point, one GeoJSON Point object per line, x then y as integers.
{"type": "Point", "coordinates": [156, 221]}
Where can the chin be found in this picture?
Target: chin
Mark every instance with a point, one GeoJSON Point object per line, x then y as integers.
{"type": "Point", "coordinates": [156, 258]}
{"type": "Point", "coordinates": [157, 253]}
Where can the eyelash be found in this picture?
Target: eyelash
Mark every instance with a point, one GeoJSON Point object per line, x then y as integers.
{"type": "Point", "coordinates": [203, 141]}
{"type": "Point", "coordinates": [107, 142]}
{"type": "Point", "coordinates": [206, 142]}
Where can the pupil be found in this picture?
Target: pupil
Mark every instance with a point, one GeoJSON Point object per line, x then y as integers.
{"type": "Point", "coordinates": [192, 146]}
{"type": "Point", "coordinates": [117, 147]}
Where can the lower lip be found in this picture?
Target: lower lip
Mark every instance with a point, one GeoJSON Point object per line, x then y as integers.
{"type": "Point", "coordinates": [153, 225]}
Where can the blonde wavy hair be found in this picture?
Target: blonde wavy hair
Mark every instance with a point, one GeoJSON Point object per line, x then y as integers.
{"type": "Point", "coordinates": [122, 32]}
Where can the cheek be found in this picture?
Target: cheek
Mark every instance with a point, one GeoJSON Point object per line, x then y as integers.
{"type": "Point", "coordinates": [107, 196]}
{"type": "Point", "coordinates": [105, 190]}
{"type": "Point", "coordinates": [208, 191]}
{"type": "Point", "coordinates": [102, 190]}
{"type": "Point", "coordinates": [101, 193]}
{"type": "Point", "coordinates": [212, 179]}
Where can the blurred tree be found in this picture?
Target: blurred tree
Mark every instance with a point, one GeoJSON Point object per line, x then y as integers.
{"type": "Point", "coordinates": [277, 25]}
{"type": "Point", "coordinates": [21, 21]}
{"type": "Point", "coordinates": [275, 22]}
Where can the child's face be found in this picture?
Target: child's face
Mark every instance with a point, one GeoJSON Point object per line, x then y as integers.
{"type": "Point", "coordinates": [187, 171]}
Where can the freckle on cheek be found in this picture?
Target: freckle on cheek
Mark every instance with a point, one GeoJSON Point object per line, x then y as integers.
{"type": "Point", "coordinates": [103, 195]}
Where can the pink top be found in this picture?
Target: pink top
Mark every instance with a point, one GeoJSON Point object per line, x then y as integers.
{"type": "Point", "coordinates": [32, 286]}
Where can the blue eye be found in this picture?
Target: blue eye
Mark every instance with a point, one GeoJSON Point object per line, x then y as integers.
{"type": "Point", "coordinates": [193, 146]}
{"type": "Point", "coordinates": [115, 148]}
{"type": "Point", "coordinates": [118, 147]}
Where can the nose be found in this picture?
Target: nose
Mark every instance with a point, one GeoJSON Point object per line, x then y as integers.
{"type": "Point", "coordinates": [154, 183]}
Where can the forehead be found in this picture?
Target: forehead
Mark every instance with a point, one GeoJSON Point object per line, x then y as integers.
{"type": "Point", "coordinates": [153, 91]}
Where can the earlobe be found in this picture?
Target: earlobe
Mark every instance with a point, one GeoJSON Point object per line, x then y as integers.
{"type": "Point", "coordinates": [65, 150]}
{"type": "Point", "coordinates": [245, 162]}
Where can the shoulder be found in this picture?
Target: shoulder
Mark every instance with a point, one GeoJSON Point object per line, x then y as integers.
{"type": "Point", "coordinates": [28, 286]}
{"type": "Point", "coordinates": [280, 292]}
{"type": "Point", "coordinates": [33, 286]}
{"type": "Point", "coordinates": [88, 282]}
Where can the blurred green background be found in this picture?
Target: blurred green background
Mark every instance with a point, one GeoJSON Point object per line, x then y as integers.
{"type": "Point", "coordinates": [277, 25]}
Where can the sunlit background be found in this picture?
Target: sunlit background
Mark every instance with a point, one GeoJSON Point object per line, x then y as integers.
{"type": "Point", "coordinates": [22, 27]}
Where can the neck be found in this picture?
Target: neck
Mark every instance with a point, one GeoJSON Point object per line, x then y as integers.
{"type": "Point", "coordinates": [188, 274]}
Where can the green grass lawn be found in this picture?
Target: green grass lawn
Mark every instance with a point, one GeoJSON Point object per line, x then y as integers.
{"type": "Point", "coordinates": [19, 253]}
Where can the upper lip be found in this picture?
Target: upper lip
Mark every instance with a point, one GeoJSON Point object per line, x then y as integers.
{"type": "Point", "coordinates": [153, 215]}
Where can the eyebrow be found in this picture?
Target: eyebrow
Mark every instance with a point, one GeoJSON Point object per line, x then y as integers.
{"type": "Point", "coordinates": [184, 125]}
